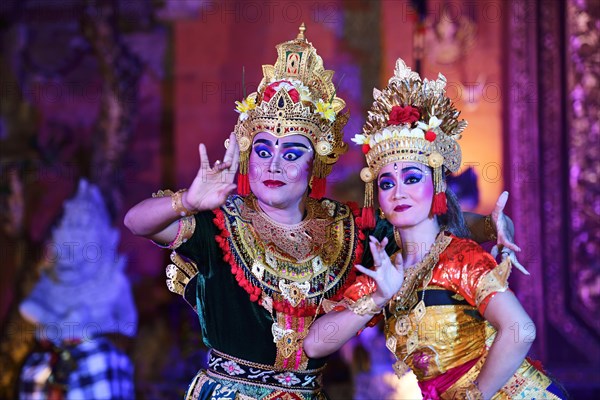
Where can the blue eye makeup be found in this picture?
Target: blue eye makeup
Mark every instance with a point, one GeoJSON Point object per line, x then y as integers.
{"type": "Point", "coordinates": [290, 151]}
{"type": "Point", "coordinates": [262, 151]}
{"type": "Point", "coordinates": [386, 183]}
{"type": "Point", "coordinates": [292, 155]}
{"type": "Point", "coordinates": [412, 177]}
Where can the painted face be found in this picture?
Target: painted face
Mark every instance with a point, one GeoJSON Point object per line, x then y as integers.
{"type": "Point", "coordinates": [280, 169]}
{"type": "Point", "coordinates": [405, 193]}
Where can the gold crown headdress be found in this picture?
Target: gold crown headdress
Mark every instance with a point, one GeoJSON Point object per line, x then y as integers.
{"type": "Point", "coordinates": [411, 120]}
{"type": "Point", "coordinates": [295, 97]}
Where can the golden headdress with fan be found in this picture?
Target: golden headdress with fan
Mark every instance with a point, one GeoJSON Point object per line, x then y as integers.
{"type": "Point", "coordinates": [295, 97]}
{"type": "Point", "coordinates": [411, 120]}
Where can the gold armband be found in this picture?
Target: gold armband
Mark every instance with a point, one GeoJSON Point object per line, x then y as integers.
{"type": "Point", "coordinates": [494, 281]}
{"type": "Point", "coordinates": [365, 306]}
{"type": "Point", "coordinates": [162, 193]}
{"type": "Point", "coordinates": [186, 229]}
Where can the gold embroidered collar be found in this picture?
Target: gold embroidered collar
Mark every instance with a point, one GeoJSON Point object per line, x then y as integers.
{"type": "Point", "coordinates": [298, 242]}
{"type": "Point", "coordinates": [419, 273]}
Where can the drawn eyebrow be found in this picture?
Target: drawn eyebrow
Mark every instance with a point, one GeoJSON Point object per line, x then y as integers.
{"type": "Point", "coordinates": [263, 141]}
{"type": "Point", "coordinates": [294, 144]}
{"type": "Point", "coordinates": [411, 167]}
{"type": "Point", "coordinates": [406, 169]}
{"type": "Point", "coordinates": [284, 145]}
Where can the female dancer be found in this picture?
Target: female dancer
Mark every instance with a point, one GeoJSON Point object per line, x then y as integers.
{"type": "Point", "coordinates": [450, 316]}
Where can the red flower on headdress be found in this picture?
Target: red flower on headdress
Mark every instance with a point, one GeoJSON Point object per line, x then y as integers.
{"type": "Point", "coordinates": [403, 115]}
{"type": "Point", "coordinates": [275, 86]}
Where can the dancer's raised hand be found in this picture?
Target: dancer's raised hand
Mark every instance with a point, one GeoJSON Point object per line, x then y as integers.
{"type": "Point", "coordinates": [387, 274]}
{"type": "Point", "coordinates": [212, 185]}
{"type": "Point", "coordinates": [506, 243]}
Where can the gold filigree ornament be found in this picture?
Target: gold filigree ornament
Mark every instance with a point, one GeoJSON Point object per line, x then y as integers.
{"type": "Point", "coordinates": [435, 160]}
{"type": "Point", "coordinates": [402, 325]}
{"type": "Point", "coordinates": [317, 264]}
{"type": "Point", "coordinates": [294, 292]}
{"type": "Point", "coordinates": [400, 368]}
{"type": "Point", "coordinates": [413, 342]}
{"type": "Point", "coordinates": [289, 332]}
{"type": "Point", "coordinates": [419, 311]}
{"type": "Point", "coordinates": [267, 303]}
{"type": "Point", "coordinates": [287, 340]}
{"type": "Point", "coordinates": [391, 343]}
{"type": "Point", "coordinates": [258, 269]}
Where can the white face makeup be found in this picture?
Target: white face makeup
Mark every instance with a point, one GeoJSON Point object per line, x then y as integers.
{"type": "Point", "coordinates": [280, 169]}
{"type": "Point", "coordinates": [405, 193]}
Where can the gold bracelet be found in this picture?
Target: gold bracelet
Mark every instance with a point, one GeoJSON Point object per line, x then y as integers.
{"type": "Point", "coordinates": [177, 204]}
{"type": "Point", "coordinates": [489, 229]}
{"type": "Point", "coordinates": [472, 392]}
{"type": "Point", "coordinates": [365, 305]}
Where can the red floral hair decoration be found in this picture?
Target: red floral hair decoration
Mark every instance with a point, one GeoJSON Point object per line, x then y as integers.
{"type": "Point", "coordinates": [403, 115]}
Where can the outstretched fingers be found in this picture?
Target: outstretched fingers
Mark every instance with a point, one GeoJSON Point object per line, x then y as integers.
{"type": "Point", "coordinates": [368, 272]}
{"type": "Point", "coordinates": [374, 246]}
{"type": "Point", "coordinates": [204, 163]}
{"type": "Point", "coordinates": [231, 148]}
{"type": "Point", "coordinates": [513, 259]}
{"type": "Point", "coordinates": [399, 262]}
{"type": "Point", "coordinates": [236, 154]}
{"type": "Point", "coordinates": [380, 256]}
{"type": "Point", "coordinates": [510, 244]}
{"type": "Point", "coordinates": [501, 202]}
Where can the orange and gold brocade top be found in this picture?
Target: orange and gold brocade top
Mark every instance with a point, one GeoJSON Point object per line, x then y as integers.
{"type": "Point", "coordinates": [461, 268]}
{"type": "Point", "coordinates": [450, 329]}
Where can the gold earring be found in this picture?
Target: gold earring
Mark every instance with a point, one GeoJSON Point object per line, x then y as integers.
{"type": "Point", "coordinates": [381, 214]}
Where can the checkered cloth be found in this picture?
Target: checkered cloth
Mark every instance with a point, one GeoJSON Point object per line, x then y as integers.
{"type": "Point", "coordinates": [93, 369]}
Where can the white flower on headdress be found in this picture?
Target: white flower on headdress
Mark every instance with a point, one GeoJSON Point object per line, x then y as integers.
{"type": "Point", "coordinates": [415, 132]}
{"type": "Point", "coordinates": [244, 106]}
{"type": "Point", "coordinates": [434, 122]}
{"type": "Point", "coordinates": [360, 139]}
{"type": "Point", "coordinates": [386, 134]}
{"type": "Point", "coordinates": [325, 110]}
{"type": "Point", "coordinates": [302, 89]}
{"type": "Point", "coordinates": [378, 137]}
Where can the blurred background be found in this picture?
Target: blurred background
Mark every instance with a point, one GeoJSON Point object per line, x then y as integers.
{"type": "Point", "coordinates": [121, 92]}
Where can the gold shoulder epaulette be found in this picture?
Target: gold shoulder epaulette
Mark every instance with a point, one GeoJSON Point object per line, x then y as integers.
{"type": "Point", "coordinates": [495, 280]}
{"type": "Point", "coordinates": [179, 273]}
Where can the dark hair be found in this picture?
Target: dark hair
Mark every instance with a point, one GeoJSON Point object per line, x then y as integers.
{"type": "Point", "coordinates": [453, 219]}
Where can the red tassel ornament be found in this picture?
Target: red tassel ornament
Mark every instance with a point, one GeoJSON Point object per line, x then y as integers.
{"type": "Point", "coordinates": [243, 184]}
{"type": "Point", "coordinates": [440, 205]}
{"type": "Point", "coordinates": [319, 185]}
{"type": "Point", "coordinates": [367, 217]}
